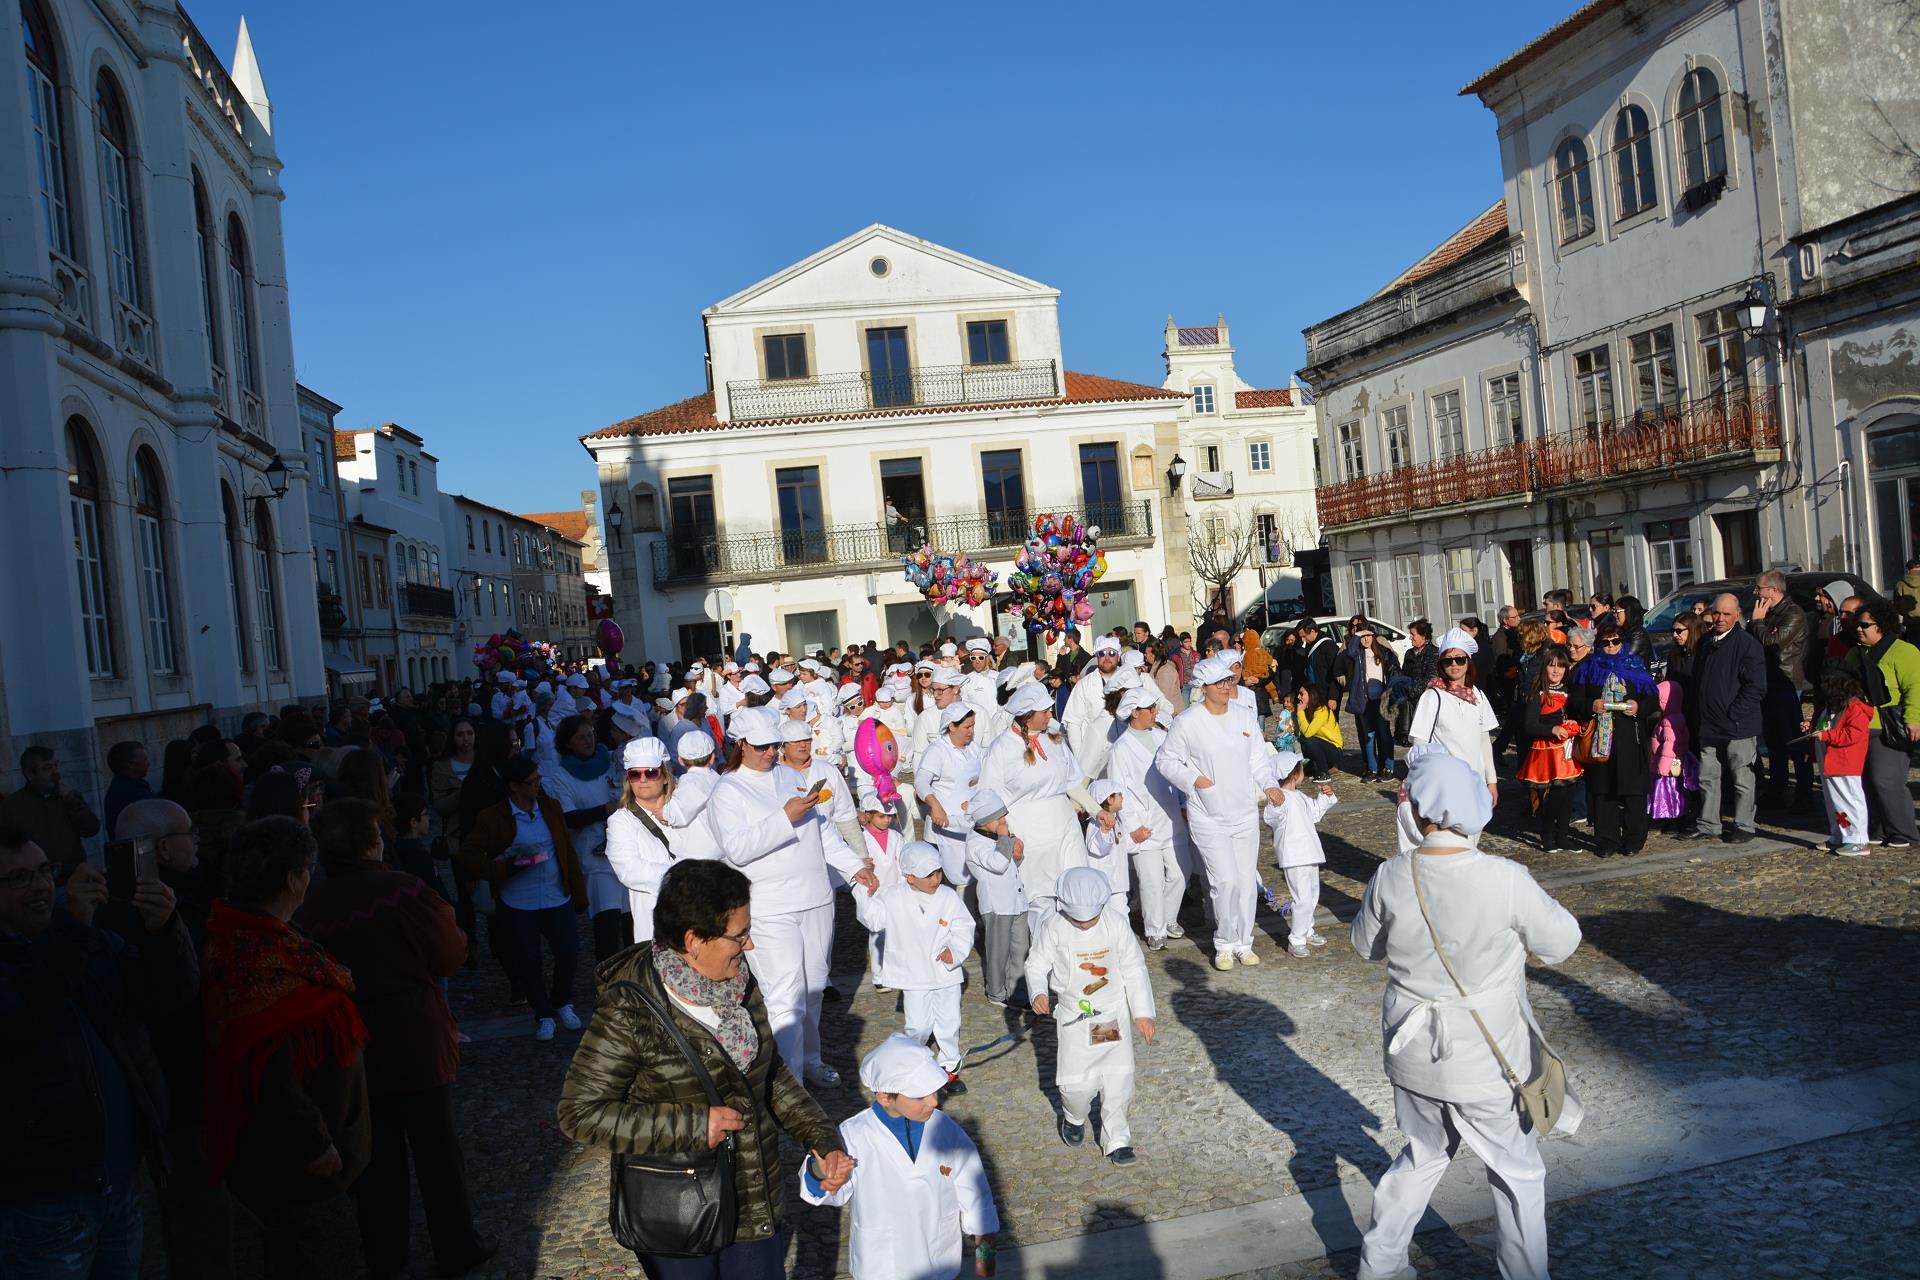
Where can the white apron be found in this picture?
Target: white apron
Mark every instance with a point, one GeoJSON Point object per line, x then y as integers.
{"type": "Point", "coordinates": [1095, 1047]}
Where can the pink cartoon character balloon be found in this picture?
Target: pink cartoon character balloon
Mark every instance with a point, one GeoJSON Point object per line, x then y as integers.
{"type": "Point", "coordinates": [875, 751]}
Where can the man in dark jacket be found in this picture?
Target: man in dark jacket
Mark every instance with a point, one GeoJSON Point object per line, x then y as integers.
{"type": "Point", "coordinates": [85, 1102]}
{"type": "Point", "coordinates": [1729, 685]}
{"type": "Point", "coordinates": [1781, 627]}
{"type": "Point", "coordinates": [1317, 655]}
{"type": "Point", "coordinates": [50, 811]}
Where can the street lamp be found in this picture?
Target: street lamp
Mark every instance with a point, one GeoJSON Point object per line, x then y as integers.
{"type": "Point", "coordinates": [1175, 472]}
{"type": "Point", "coordinates": [277, 477]}
{"type": "Point", "coordinates": [616, 519]}
{"type": "Point", "coordinates": [1753, 311]}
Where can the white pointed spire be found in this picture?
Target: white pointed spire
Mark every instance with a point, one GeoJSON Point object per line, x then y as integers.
{"type": "Point", "coordinates": [246, 78]}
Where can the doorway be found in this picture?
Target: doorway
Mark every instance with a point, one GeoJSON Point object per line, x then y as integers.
{"type": "Point", "coordinates": [888, 372]}
{"type": "Point", "coordinates": [1739, 543]}
{"type": "Point", "coordinates": [1520, 568]}
{"type": "Point", "coordinates": [903, 496]}
{"type": "Point", "coordinates": [1893, 465]}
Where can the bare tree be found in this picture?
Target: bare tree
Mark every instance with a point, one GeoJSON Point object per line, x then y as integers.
{"type": "Point", "coordinates": [1218, 552]}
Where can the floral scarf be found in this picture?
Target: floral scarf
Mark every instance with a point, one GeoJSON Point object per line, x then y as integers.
{"type": "Point", "coordinates": [267, 986]}
{"type": "Point", "coordinates": [736, 1032]}
{"type": "Point", "coordinates": [1466, 692]}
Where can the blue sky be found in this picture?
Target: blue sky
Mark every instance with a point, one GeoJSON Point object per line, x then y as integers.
{"type": "Point", "coordinates": [502, 221]}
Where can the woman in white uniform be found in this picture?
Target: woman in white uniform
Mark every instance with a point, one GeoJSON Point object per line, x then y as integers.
{"type": "Point", "coordinates": [686, 811]}
{"type": "Point", "coordinates": [1216, 757]}
{"type": "Point", "coordinates": [1447, 1085]}
{"type": "Point", "coordinates": [640, 845]}
{"type": "Point", "coordinates": [584, 782]}
{"type": "Point", "coordinates": [1039, 779]}
{"type": "Point", "coordinates": [797, 753]}
{"type": "Point", "coordinates": [1160, 862]}
{"type": "Point", "coordinates": [948, 772]}
{"type": "Point", "coordinates": [769, 822]}
{"type": "Point", "coordinates": [1454, 714]}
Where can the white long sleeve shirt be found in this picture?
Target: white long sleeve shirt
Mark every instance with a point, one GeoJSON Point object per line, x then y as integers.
{"type": "Point", "coordinates": [910, 931]}
{"type": "Point", "coordinates": [1226, 749]}
{"type": "Point", "coordinates": [686, 814]}
{"type": "Point", "coordinates": [951, 775]}
{"type": "Point", "coordinates": [641, 862]}
{"type": "Point", "coordinates": [1464, 728]}
{"type": "Point", "coordinates": [1296, 835]}
{"type": "Point", "coordinates": [1150, 798]}
{"type": "Point", "coordinates": [787, 861]}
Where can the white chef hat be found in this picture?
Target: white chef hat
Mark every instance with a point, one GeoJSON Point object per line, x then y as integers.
{"type": "Point", "coordinates": [644, 753]}
{"type": "Point", "coordinates": [543, 689]}
{"type": "Point", "coordinates": [1137, 697]}
{"type": "Point", "coordinates": [1105, 644]}
{"type": "Point", "coordinates": [809, 664]}
{"type": "Point", "coordinates": [922, 665]}
{"type": "Point", "coordinates": [1124, 678]}
{"type": "Point", "coordinates": [1211, 671]}
{"type": "Point", "coordinates": [872, 803]}
{"type": "Point", "coordinates": [883, 694]}
{"type": "Point", "coordinates": [1083, 893]}
{"type": "Point", "coordinates": [756, 725]}
{"type": "Point", "coordinates": [792, 698]}
{"type": "Point", "coordinates": [1028, 697]}
{"type": "Point", "coordinates": [753, 666]}
{"type": "Point", "coordinates": [795, 731]}
{"type": "Point", "coordinates": [730, 668]}
{"type": "Point", "coordinates": [949, 649]}
{"type": "Point", "coordinates": [754, 684]}
{"type": "Point", "coordinates": [663, 704]}
{"type": "Point", "coordinates": [985, 806]}
{"type": "Point", "coordinates": [780, 675]}
{"type": "Point", "coordinates": [1455, 638]}
{"type": "Point", "coordinates": [577, 680]}
{"type": "Point", "coordinates": [1103, 789]}
{"type": "Point", "coordinates": [1285, 762]}
{"type": "Point", "coordinates": [696, 745]}
{"type": "Point", "coordinates": [850, 693]}
{"type": "Point", "coordinates": [681, 695]}
{"type": "Point", "coordinates": [473, 711]}
{"type": "Point", "coordinates": [919, 859]}
{"type": "Point", "coordinates": [980, 644]}
{"type": "Point", "coordinates": [1445, 789]}
{"type": "Point", "coordinates": [1016, 675]}
{"type": "Point", "coordinates": [953, 714]}
{"type": "Point", "coordinates": [948, 678]}
{"type": "Point", "coordinates": [629, 719]}
{"type": "Point", "coordinates": [902, 1065]}
{"type": "Point", "coordinates": [1133, 659]}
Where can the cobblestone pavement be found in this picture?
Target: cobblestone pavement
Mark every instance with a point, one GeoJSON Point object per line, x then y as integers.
{"type": "Point", "coordinates": [1779, 961]}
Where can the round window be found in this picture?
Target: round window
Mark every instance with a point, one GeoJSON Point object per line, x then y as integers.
{"type": "Point", "coordinates": [880, 266]}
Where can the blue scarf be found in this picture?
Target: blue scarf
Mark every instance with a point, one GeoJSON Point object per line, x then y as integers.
{"type": "Point", "coordinates": [1631, 672]}
{"type": "Point", "coordinates": [587, 768]}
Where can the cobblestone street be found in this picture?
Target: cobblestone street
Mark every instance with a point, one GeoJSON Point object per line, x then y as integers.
{"type": "Point", "coordinates": [1768, 965]}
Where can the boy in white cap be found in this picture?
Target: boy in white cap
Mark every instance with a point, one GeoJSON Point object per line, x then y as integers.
{"type": "Point", "coordinates": [994, 855]}
{"type": "Point", "coordinates": [1296, 847]}
{"type": "Point", "coordinates": [1086, 953]}
{"type": "Point", "coordinates": [925, 935]}
{"type": "Point", "coordinates": [918, 1183]}
{"type": "Point", "coordinates": [947, 773]}
{"type": "Point", "coordinates": [1107, 837]}
{"type": "Point", "coordinates": [1216, 756]}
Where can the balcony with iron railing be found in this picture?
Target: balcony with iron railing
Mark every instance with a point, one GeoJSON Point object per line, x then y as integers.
{"type": "Point", "coordinates": [833, 394]}
{"type": "Point", "coordinates": [855, 548]}
{"type": "Point", "coordinates": [421, 600]}
{"type": "Point", "coordinates": [1727, 429]}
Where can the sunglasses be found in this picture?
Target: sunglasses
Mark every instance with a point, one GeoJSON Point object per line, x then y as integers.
{"type": "Point", "coordinates": [1453, 662]}
{"type": "Point", "coordinates": [1613, 642]}
{"type": "Point", "coordinates": [642, 773]}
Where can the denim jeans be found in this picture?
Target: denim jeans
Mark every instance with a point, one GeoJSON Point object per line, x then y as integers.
{"type": "Point", "coordinates": [96, 1235]}
{"type": "Point", "coordinates": [1376, 739]}
{"type": "Point", "coordinates": [559, 927]}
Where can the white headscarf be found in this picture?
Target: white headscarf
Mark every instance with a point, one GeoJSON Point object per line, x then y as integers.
{"type": "Point", "coordinates": [1446, 790]}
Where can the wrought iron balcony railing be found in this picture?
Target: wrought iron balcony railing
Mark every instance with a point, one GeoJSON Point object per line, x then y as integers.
{"type": "Point", "coordinates": [760, 557]}
{"type": "Point", "coordinates": [1731, 425]}
{"type": "Point", "coordinates": [751, 400]}
{"type": "Point", "coordinates": [423, 601]}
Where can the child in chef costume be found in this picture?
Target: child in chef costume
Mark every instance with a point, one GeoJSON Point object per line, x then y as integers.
{"type": "Point", "coordinates": [917, 1183]}
{"type": "Point", "coordinates": [924, 934]}
{"type": "Point", "coordinates": [994, 855]}
{"type": "Point", "coordinates": [1296, 847]}
{"type": "Point", "coordinates": [880, 845]}
{"type": "Point", "coordinates": [1108, 837]}
{"type": "Point", "coordinates": [1086, 952]}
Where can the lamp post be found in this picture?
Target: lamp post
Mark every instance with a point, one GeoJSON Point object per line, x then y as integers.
{"type": "Point", "coordinates": [616, 520]}
{"type": "Point", "coordinates": [278, 477]}
{"type": "Point", "coordinates": [1176, 470]}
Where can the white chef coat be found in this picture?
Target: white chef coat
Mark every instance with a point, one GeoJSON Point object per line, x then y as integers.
{"type": "Point", "coordinates": [686, 816]}
{"type": "Point", "coordinates": [605, 892]}
{"type": "Point", "coordinates": [1039, 809]}
{"type": "Point", "coordinates": [786, 861]}
{"type": "Point", "coordinates": [1296, 838]}
{"type": "Point", "coordinates": [997, 887]}
{"type": "Point", "coordinates": [884, 852]}
{"type": "Point", "coordinates": [1110, 853]}
{"type": "Point", "coordinates": [640, 862]}
{"type": "Point", "coordinates": [1490, 914]}
{"type": "Point", "coordinates": [926, 727]}
{"type": "Point", "coordinates": [1228, 750]}
{"type": "Point", "coordinates": [951, 775]}
{"type": "Point", "coordinates": [726, 698]}
{"type": "Point", "coordinates": [1464, 728]}
{"type": "Point", "coordinates": [1150, 798]}
{"type": "Point", "coordinates": [1085, 716]}
{"type": "Point", "coordinates": [1063, 959]}
{"type": "Point", "coordinates": [990, 719]}
{"type": "Point", "coordinates": [910, 929]}
{"type": "Point", "coordinates": [909, 1214]}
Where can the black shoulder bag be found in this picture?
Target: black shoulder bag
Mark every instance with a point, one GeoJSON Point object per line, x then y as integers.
{"type": "Point", "coordinates": [677, 1204]}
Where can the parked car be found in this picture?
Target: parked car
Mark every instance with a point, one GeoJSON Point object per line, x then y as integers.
{"type": "Point", "coordinates": [1335, 629]}
{"type": "Point", "coordinates": [1800, 589]}
{"type": "Point", "coordinates": [1264, 614]}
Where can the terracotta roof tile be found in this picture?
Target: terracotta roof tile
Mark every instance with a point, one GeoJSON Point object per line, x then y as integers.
{"type": "Point", "coordinates": [1269, 398]}
{"type": "Point", "coordinates": [1577, 21]}
{"type": "Point", "coordinates": [1199, 336]}
{"type": "Point", "coordinates": [344, 446]}
{"type": "Point", "coordinates": [1481, 232]}
{"type": "Point", "coordinates": [568, 524]}
{"type": "Point", "coordinates": [696, 413]}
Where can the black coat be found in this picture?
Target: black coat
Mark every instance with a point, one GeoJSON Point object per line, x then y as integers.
{"type": "Point", "coordinates": [1317, 663]}
{"type": "Point", "coordinates": [1627, 771]}
{"type": "Point", "coordinates": [1729, 683]}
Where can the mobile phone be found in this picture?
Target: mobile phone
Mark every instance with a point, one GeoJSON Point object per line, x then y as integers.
{"type": "Point", "coordinates": [129, 862]}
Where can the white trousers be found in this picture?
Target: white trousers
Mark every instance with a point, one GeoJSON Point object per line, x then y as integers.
{"type": "Point", "coordinates": [1163, 885]}
{"type": "Point", "coordinates": [1232, 859]}
{"type": "Point", "coordinates": [789, 961]}
{"type": "Point", "coordinates": [1846, 799]}
{"type": "Point", "coordinates": [1115, 1093]}
{"type": "Point", "coordinates": [1303, 885]}
{"type": "Point", "coordinates": [1515, 1172]}
{"type": "Point", "coordinates": [935, 1013]}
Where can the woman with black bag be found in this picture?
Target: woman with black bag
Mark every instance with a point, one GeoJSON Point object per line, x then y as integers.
{"type": "Point", "coordinates": [678, 1076]}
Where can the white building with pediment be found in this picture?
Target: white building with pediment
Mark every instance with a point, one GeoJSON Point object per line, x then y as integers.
{"type": "Point", "coordinates": [883, 373]}
{"type": "Point", "coordinates": [153, 482]}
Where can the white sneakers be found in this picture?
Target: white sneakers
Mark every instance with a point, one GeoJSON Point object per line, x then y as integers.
{"type": "Point", "coordinates": [1246, 957]}
{"type": "Point", "coordinates": [1223, 961]}
{"type": "Point", "coordinates": [1315, 939]}
{"type": "Point", "coordinates": [568, 1018]}
{"type": "Point", "coordinates": [543, 1030]}
{"type": "Point", "coordinates": [1296, 949]}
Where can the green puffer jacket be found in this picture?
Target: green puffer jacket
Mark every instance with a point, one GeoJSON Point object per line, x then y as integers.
{"type": "Point", "coordinates": [630, 1090]}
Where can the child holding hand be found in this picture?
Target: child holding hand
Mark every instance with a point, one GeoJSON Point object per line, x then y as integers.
{"type": "Point", "coordinates": [1841, 740]}
{"type": "Point", "coordinates": [1296, 847]}
{"type": "Point", "coordinates": [1108, 842]}
{"type": "Point", "coordinates": [924, 933]}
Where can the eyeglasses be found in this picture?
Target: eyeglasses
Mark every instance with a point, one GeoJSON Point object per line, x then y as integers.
{"type": "Point", "coordinates": [759, 746]}
{"type": "Point", "coordinates": [740, 939]}
{"type": "Point", "coordinates": [642, 773]}
{"type": "Point", "coordinates": [1613, 642]}
{"type": "Point", "coordinates": [1454, 662]}
{"type": "Point", "coordinates": [25, 876]}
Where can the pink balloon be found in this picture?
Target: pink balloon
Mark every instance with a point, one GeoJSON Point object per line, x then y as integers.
{"type": "Point", "coordinates": [875, 751]}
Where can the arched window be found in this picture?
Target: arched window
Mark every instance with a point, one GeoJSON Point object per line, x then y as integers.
{"type": "Point", "coordinates": [265, 582]}
{"type": "Point", "coordinates": [86, 499]}
{"type": "Point", "coordinates": [1574, 186]}
{"type": "Point", "coordinates": [433, 566]}
{"type": "Point", "coordinates": [240, 306]}
{"type": "Point", "coordinates": [413, 564]}
{"type": "Point", "coordinates": [118, 203]}
{"type": "Point", "coordinates": [1703, 140]}
{"type": "Point", "coordinates": [231, 510]}
{"type": "Point", "coordinates": [1632, 161]}
{"type": "Point", "coordinates": [49, 127]}
{"type": "Point", "coordinates": [150, 541]}
{"type": "Point", "coordinates": [204, 240]}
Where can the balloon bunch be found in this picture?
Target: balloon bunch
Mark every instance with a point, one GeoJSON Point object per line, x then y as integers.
{"type": "Point", "coordinates": [945, 579]}
{"type": "Point", "coordinates": [509, 651]}
{"type": "Point", "coordinates": [1053, 573]}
